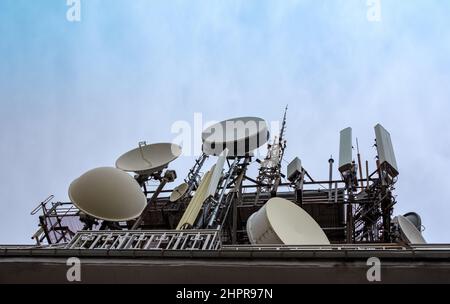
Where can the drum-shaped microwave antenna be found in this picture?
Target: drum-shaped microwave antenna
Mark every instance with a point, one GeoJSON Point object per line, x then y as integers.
{"type": "Point", "coordinates": [409, 232]}
{"type": "Point", "coordinates": [240, 135]}
{"type": "Point", "coordinates": [415, 219]}
{"type": "Point", "coordinates": [108, 194]}
{"type": "Point", "coordinates": [147, 159]}
{"type": "Point", "coordinates": [280, 221]}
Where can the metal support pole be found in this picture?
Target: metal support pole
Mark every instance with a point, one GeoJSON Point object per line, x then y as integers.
{"type": "Point", "coordinates": [367, 173]}
{"type": "Point", "coordinates": [350, 219]}
{"type": "Point", "coordinates": [194, 173]}
{"type": "Point", "coordinates": [169, 176]}
{"type": "Point", "coordinates": [359, 164]}
{"type": "Point", "coordinates": [330, 180]}
{"type": "Point", "coordinates": [237, 197]}
{"type": "Point", "coordinates": [224, 188]}
{"type": "Point", "coordinates": [299, 189]}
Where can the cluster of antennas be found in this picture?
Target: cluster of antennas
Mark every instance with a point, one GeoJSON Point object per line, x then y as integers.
{"type": "Point", "coordinates": [403, 228]}
{"type": "Point", "coordinates": [386, 158]}
{"type": "Point", "coordinates": [113, 195]}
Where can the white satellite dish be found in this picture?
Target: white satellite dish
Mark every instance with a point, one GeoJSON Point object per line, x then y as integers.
{"type": "Point", "coordinates": [147, 159]}
{"type": "Point", "coordinates": [240, 135]}
{"type": "Point", "coordinates": [409, 232]}
{"type": "Point", "coordinates": [109, 194]}
{"type": "Point", "coordinates": [280, 221]}
{"type": "Point", "coordinates": [178, 192]}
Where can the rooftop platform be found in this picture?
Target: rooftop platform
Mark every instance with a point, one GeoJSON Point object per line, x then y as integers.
{"type": "Point", "coordinates": [230, 264]}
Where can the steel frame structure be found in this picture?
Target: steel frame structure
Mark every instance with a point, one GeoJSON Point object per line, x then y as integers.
{"type": "Point", "coordinates": [147, 240]}
{"type": "Point", "coordinates": [356, 210]}
{"type": "Point", "coordinates": [237, 196]}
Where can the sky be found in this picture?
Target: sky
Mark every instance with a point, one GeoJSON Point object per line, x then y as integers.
{"type": "Point", "coordinates": [76, 95]}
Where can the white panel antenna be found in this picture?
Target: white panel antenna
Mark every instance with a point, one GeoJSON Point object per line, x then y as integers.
{"type": "Point", "coordinates": [345, 150]}
{"type": "Point", "coordinates": [385, 150]}
{"type": "Point", "coordinates": [217, 173]}
{"type": "Point", "coordinates": [196, 203]}
{"type": "Point", "coordinates": [294, 169]}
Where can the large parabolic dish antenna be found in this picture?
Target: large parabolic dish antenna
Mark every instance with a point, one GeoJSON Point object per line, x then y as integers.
{"type": "Point", "coordinates": [109, 194]}
{"type": "Point", "coordinates": [240, 135]}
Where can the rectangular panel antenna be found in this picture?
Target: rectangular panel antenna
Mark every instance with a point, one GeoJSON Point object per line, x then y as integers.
{"type": "Point", "coordinates": [385, 150]}
{"type": "Point", "coordinates": [345, 150]}
{"type": "Point", "coordinates": [216, 174]}
{"type": "Point", "coordinates": [294, 169]}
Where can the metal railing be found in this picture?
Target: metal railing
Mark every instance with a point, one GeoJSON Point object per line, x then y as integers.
{"type": "Point", "coordinates": [332, 247]}
{"type": "Point", "coordinates": [147, 240]}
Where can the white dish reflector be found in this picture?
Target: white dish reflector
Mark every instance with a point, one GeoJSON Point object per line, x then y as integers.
{"type": "Point", "coordinates": [239, 135]}
{"type": "Point", "coordinates": [178, 192]}
{"type": "Point", "coordinates": [409, 232]}
{"type": "Point", "coordinates": [109, 194]}
{"type": "Point", "coordinates": [148, 159]}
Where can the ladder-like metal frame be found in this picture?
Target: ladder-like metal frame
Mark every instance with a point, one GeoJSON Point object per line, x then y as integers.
{"type": "Point", "coordinates": [147, 240]}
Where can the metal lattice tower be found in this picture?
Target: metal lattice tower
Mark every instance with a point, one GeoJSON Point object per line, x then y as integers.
{"type": "Point", "coordinates": [269, 176]}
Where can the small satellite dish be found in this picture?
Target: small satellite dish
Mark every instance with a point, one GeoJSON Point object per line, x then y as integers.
{"type": "Point", "coordinates": [280, 221]}
{"type": "Point", "coordinates": [415, 219]}
{"type": "Point", "coordinates": [240, 135]}
{"type": "Point", "coordinates": [178, 192]}
{"type": "Point", "coordinates": [147, 159]}
{"type": "Point", "coordinates": [409, 232]}
{"type": "Point", "coordinates": [109, 194]}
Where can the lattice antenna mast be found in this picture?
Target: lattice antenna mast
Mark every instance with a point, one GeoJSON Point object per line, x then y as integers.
{"type": "Point", "coordinates": [269, 176]}
{"type": "Point", "coordinates": [281, 140]}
